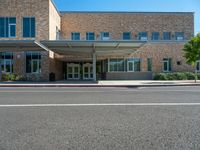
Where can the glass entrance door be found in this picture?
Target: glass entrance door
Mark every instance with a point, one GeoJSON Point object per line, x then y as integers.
{"type": "Point", "coordinates": [131, 66]}
{"type": "Point", "coordinates": [87, 71]}
{"type": "Point", "coordinates": [73, 71]}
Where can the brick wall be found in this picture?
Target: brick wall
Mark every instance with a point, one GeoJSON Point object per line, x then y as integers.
{"type": "Point", "coordinates": [117, 23]}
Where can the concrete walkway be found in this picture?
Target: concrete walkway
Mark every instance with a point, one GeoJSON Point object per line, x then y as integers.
{"type": "Point", "coordinates": [102, 83]}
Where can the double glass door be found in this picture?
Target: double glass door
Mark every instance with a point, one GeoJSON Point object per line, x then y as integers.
{"type": "Point", "coordinates": [73, 71]}
{"type": "Point", "coordinates": [87, 71]}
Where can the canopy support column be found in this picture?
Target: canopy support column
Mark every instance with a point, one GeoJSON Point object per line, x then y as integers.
{"type": "Point", "coordinates": [94, 66]}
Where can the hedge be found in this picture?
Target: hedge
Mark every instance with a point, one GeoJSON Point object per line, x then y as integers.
{"type": "Point", "coordinates": [176, 76]}
{"type": "Point", "coordinates": [12, 77]}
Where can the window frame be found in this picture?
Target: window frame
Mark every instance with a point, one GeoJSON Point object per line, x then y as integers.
{"type": "Point", "coordinates": [7, 24]}
{"type": "Point", "coordinates": [88, 36]}
{"type": "Point", "coordinates": [30, 27]}
{"type": "Point", "coordinates": [106, 37]}
{"type": "Point", "coordinates": [149, 64]}
{"type": "Point", "coordinates": [140, 36]}
{"type": "Point", "coordinates": [177, 37]}
{"type": "Point", "coordinates": [124, 36]}
{"type": "Point", "coordinates": [4, 60]}
{"type": "Point", "coordinates": [155, 36]}
{"type": "Point", "coordinates": [72, 36]}
{"type": "Point", "coordinates": [38, 60]}
{"type": "Point", "coordinates": [169, 64]}
{"type": "Point", "coordinates": [164, 36]}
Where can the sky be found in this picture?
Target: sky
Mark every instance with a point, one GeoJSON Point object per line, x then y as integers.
{"type": "Point", "coordinates": [133, 5]}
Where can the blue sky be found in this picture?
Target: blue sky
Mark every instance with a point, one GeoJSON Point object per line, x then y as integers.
{"type": "Point", "coordinates": [132, 5]}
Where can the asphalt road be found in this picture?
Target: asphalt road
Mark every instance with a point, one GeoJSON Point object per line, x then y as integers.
{"type": "Point", "coordinates": [166, 118]}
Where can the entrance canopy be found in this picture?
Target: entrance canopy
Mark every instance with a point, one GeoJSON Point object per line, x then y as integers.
{"type": "Point", "coordinates": [101, 48]}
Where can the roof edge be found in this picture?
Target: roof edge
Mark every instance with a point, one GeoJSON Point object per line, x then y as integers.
{"type": "Point", "coordinates": [127, 12]}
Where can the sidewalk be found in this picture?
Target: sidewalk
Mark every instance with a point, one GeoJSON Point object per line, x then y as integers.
{"type": "Point", "coordinates": [102, 83]}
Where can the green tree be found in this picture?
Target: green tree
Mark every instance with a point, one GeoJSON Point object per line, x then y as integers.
{"type": "Point", "coordinates": [192, 52]}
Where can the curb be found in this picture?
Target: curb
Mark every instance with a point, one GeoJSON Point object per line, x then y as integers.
{"type": "Point", "coordinates": [65, 85]}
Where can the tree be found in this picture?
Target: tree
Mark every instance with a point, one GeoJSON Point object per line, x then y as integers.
{"type": "Point", "coordinates": [192, 52]}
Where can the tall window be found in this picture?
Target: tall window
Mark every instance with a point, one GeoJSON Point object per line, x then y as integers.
{"type": "Point", "coordinates": [166, 36]}
{"type": "Point", "coordinates": [179, 35]}
{"type": "Point", "coordinates": [7, 27]}
{"type": "Point", "coordinates": [90, 36]}
{"type": "Point", "coordinates": [75, 36]}
{"type": "Point", "coordinates": [57, 33]}
{"type": "Point", "coordinates": [133, 64]}
{"type": "Point", "coordinates": [6, 62]}
{"type": "Point", "coordinates": [33, 62]}
{"type": "Point", "coordinates": [198, 66]}
{"type": "Point", "coordinates": [116, 65]}
{"type": "Point", "coordinates": [142, 36]}
{"type": "Point", "coordinates": [149, 64]}
{"type": "Point", "coordinates": [155, 36]}
{"type": "Point", "coordinates": [167, 64]}
{"type": "Point", "coordinates": [105, 36]}
{"type": "Point", "coordinates": [28, 27]}
{"type": "Point", "coordinates": [126, 36]}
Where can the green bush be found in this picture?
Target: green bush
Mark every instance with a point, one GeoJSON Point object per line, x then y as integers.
{"type": "Point", "coordinates": [12, 77]}
{"type": "Point", "coordinates": [175, 76]}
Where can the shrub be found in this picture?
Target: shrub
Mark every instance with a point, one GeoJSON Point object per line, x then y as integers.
{"type": "Point", "coordinates": [175, 76]}
{"type": "Point", "coordinates": [12, 77]}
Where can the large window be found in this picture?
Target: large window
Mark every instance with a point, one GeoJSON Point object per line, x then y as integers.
{"type": "Point", "coordinates": [149, 64]}
{"type": "Point", "coordinates": [198, 66]}
{"type": "Point", "coordinates": [142, 36]}
{"type": "Point", "coordinates": [28, 27]}
{"type": "Point", "coordinates": [179, 35]}
{"type": "Point", "coordinates": [155, 36]}
{"type": "Point", "coordinates": [7, 27]}
{"type": "Point", "coordinates": [105, 36]}
{"type": "Point", "coordinates": [116, 65]}
{"type": "Point", "coordinates": [90, 36]}
{"type": "Point", "coordinates": [75, 36]}
{"type": "Point", "coordinates": [33, 62]}
{"type": "Point", "coordinates": [167, 64]}
{"type": "Point", "coordinates": [6, 62]}
{"type": "Point", "coordinates": [166, 36]}
{"type": "Point", "coordinates": [133, 64]}
{"type": "Point", "coordinates": [126, 35]}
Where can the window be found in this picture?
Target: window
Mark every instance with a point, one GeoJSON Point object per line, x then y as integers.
{"type": "Point", "coordinates": [167, 64]}
{"type": "Point", "coordinates": [33, 62]}
{"type": "Point", "coordinates": [149, 64]}
{"type": "Point", "coordinates": [133, 64]}
{"type": "Point", "coordinates": [90, 36]}
{"type": "Point", "coordinates": [105, 36]}
{"type": "Point", "coordinates": [166, 36]}
{"type": "Point", "coordinates": [155, 36]}
{"type": "Point", "coordinates": [116, 65]}
{"type": "Point", "coordinates": [142, 36]}
{"type": "Point", "coordinates": [198, 66]}
{"type": "Point", "coordinates": [28, 27]}
{"type": "Point", "coordinates": [7, 27]}
{"type": "Point", "coordinates": [126, 36]}
{"type": "Point", "coordinates": [6, 62]}
{"type": "Point", "coordinates": [179, 35]}
{"type": "Point", "coordinates": [75, 36]}
{"type": "Point", "coordinates": [57, 33]}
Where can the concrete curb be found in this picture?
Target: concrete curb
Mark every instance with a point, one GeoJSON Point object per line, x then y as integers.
{"type": "Point", "coordinates": [95, 85]}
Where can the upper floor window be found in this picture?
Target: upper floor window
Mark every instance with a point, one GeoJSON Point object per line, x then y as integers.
{"type": "Point", "coordinates": [166, 36]}
{"type": "Point", "coordinates": [7, 27]}
{"type": "Point", "coordinates": [33, 62]}
{"type": "Point", "coordinates": [105, 36]}
{"type": "Point", "coordinates": [155, 36]}
{"type": "Point", "coordinates": [57, 33]}
{"type": "Point", "coordinates": [28, 27]}
{"type": "Point", "coordinates": [75, 36]}
{"type": "Point", "coordinates": [142, 36]}
{"type": "Point", "coordinates": [179, 35]}
{"type": "Point", "coordinates": [6, 62]}
{"type": "Point", "coordinates": [126, 36]}
{"type": "Point", "coordinates": [90, 36]}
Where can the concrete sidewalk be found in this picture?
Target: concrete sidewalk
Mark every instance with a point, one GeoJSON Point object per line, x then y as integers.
{"type": "Point", "coordinates": [102, 83]}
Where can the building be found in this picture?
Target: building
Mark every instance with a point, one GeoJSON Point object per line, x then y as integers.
{"type": "Point", "coordinates": [37, 40]}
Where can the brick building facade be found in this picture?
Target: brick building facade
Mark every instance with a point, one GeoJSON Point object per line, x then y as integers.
{"type": "Point", "coordinates": [36, 40]}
